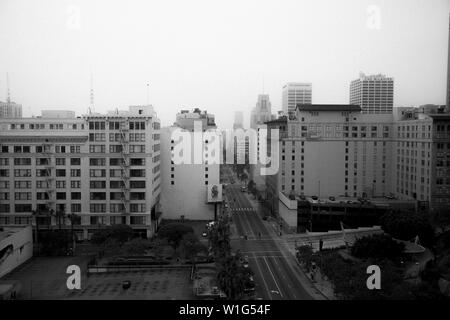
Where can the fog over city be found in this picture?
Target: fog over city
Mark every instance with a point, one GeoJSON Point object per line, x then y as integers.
{"type": "Point", "coordinates": [216, 55]}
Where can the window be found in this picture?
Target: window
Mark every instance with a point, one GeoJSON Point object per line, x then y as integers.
{"type": "Point", "coordinates": [22, 208]}
{"type": "Point", "coordinates": [97, 207]}
{"type": "Point", "coordinates": [75, 195]}
{"type": "Point", "coordinates": [4, 173]}
{"type": "Point", "coordinates": [22, 184]}
{"type": "Point", "coordinates": [4, 208]}
{"type": "Point", "coordinates": [4, 162]}
{"type": "Point", "coordinates": [137, 195]}
{"type": "Point", "coordinates": [98, 195]}
{"type": "Point", "coordinates": [98, 184]}
{"type": "Point", "coordinates": [22, 195]}
{"type": "Point", "coordinates": [4, 184]}
{"type": "Point", "coordinates": [22, 161]}
{"type": "Point", "coordinates": [137, 207]}
{"type": "Point", "coordinates": [4, 195]}
{"type": "Point", "coordinates": [60, 161]}
{"type": "Point", "coordinates": [60, 184]}
{"type": "Point", "coordinates": [115, 172]}
{"type": "Point", "coordinates": [97, 162]}
{"type": "Point", "coordinates": [97, 148]}
{"type": "Point", "coordinates": [5, 149]}
{"type": "Point", "coordinates": [75, 207]}
{"type": "Point", "coordinates": [60, 172]}
{"type": "Point", "coordinates": [75, 184]}
{"type": "Point", "coordinates": [115, 195]}
{"type": "Point", "coordinates": [97, 172]}
{"type": "Point", "coordinates": [137, 220]}
{"type": "Point", "coordinates": [137, 149]}
{"type": "Point", "coordinates": [61, 196]}
{"type": "Point", "coordinates": [75, 172]}
{"type": "Point", "coordinates": [60, 149]}
{"type": "Point", "coordinates": [116, 207]}
{"type": "Point", "coordinates": [115, 148]}
{"type": "Point", "coordinates": [116, 184]}
{"type": "Point", "coordinates": [97, 125]}
{"type": "Point", "coordinates": [137, 184]}
{"type": "Point", "coordinates": [22, 149]}
{"type": "Point", "coordinates": [22, 172]}
{"type": "Point", "coordinates": [75, 161]}
{"type": "Point", "coordinates": [115, 161]}
{"type": "Point", "coordinates": [137, 172]}
{"type": "Point", "coordinates": [74, 149]}
{"type": "Point", "coordinates": [137, 161]}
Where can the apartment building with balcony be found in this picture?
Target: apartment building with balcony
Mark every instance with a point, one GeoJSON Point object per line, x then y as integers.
{"type": "Point", "coordinates": [89, 171]}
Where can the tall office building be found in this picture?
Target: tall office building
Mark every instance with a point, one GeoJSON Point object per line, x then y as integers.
{"type": "Point", "coordinates": [10, 109]}
{"type": "Point", "coordinates": [185, 186]}
{"type": "Point", "coordinates": [238, 120]}
{"type": "Point", "coordinates": [448, 70]}
{"type": "Point", "coordinates": [262, 111]}
{"type": "Point", "coordinates": [92, 171]}
{"type": "Point", "coordinates": [373, 93]}
{"type": "Point", "coordinates": [295, 93]}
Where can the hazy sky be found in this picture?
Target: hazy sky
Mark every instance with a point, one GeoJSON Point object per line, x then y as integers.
{"type": "Point", "coordinates": [215, 54]}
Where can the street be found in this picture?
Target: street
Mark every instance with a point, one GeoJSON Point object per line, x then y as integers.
{"type": "Point", "coordinates": [273, 265]}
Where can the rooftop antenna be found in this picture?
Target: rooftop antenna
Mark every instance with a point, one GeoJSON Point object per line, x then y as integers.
{"type": "Point", "coordinates": [8, 94]}
{"type": "Point", "coordinates": [91, 104]}
{"type": "Point", "coordinates": [148, 93]}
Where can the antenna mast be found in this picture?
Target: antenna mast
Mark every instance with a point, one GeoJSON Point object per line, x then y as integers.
{"type": "Point", "coordinates": [91, 105]}
{"type": "Point", "coordinates": [8, 94]}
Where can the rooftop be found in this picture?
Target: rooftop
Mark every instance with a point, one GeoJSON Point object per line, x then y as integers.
{"type": "Point", "coordinates": [329, 107]}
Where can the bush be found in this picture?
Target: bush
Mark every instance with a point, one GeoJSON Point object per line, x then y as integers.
{"type": "Point", "coordinates": [379, 246]}
{"type": "Point", "coordinates": [406, 225]}
{"type": "Point", "coordinates": [174, 232]}
{"type": "Point", "coordinates": [119, 232]}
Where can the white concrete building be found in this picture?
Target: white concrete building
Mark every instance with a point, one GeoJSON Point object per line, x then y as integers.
{"type": "Point", "coordinates": [103, 168]}
{"type": "Point", "coordinates": [185, 185]}
{"type": "Point", "coordinates": [295, 93]}
{"type": "Point", "coordinates": [373, 93]}
{"type": "Point", "coordinates": [336, 150]}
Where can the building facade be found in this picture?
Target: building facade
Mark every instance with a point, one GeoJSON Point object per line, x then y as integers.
{"type": "Point", "coordinates": [338, 151]}
{"type": "Point", "coordinates": [295, 93]}
{"type": "Point", "coordinates": [90, 171]}
{"type": "Point", "coordinates": [185, 185]}
{"type": "Point", "coordinates": [373, 93]}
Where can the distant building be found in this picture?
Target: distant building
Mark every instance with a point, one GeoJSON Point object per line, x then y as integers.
{"type": "Point", "coordinates": [262, 111]}
{"type": "Point", "coordinates": [57, 114]}
{"type": "Point", "coordinates": [102, 168]}
{"type": "Point", "coordinates": [295, 93]}
{"type": "Point", "coordinates": [185, 187]}
{"type": "Point", "coordinates": [238, 120]}
{"type": "Point", "coordinates": [373, 93]}
{"type": "Point", "coordinates": [448, 71]}
{"type": "Point", "coordinates": [10, 110]}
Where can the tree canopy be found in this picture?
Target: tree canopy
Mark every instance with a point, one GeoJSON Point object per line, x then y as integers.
{"type": "Point", "coordinates": [174, 233]}
{"type": "Point", "coordinates": [378, 246]}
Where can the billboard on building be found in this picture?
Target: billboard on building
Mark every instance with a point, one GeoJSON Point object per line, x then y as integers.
{"type": "Point", "coordinates": [214, 193]}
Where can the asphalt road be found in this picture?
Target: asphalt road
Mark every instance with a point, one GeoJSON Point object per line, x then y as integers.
{"type": "Point", "coordinates": [274, 275]}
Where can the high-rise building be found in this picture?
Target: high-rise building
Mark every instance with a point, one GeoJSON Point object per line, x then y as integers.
{"type": "Point", "coordinates": [185, 186]}
{"type": "Point", "coordinates": [89, 172]}
{"type": "Point", "coordinates": [373, 93]}
{"type": "Point", "coordinates": [238, 120]}
{"type": "Point", "coordinates": [262, 111]}
{"type": "Point", "coordinates": [448, 70]}
{"type": "Point", "coordinates": [10, 110]}
{"type": "Point", "coordinates": [295, 93]}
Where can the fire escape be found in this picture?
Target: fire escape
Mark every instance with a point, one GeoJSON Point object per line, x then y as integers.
{"type": "Point", "coordinates": [49, 179]}
{"type": "Point", "coordinates": [125, 166]}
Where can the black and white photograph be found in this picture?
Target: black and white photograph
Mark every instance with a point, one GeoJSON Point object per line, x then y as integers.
{"type": "Point", "coordinates": [218, 156]}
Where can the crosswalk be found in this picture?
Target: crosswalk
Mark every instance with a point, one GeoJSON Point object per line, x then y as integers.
{"type": "Point", "coordinates": [242, 209]}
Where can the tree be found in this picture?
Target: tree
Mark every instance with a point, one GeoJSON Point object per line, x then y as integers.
{"type": "Point", "coordinates": [190, 246]}
{"type": "Point", "coordinates": [136, 246]}
{"type": "Point", "coordinates": [233, 277]}
{"type": "Point", "coordinates": [378, 246]}
{"type": "Point", "coordinates": [406, 225]}
{"type": "Point", "coordinates": [174, 232]}
{"type": "Point", "coordinates": [305, 256]}
{"type": "Point", "coordinates": [119, 232]}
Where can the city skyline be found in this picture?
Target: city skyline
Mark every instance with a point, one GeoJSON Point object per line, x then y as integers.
{"type": "Point", "coordinates": [60, 55]}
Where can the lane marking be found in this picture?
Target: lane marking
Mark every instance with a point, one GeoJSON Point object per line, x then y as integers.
{"type": "Point", "coordinates": [264, 281]}
{"type": "Point", "coordinates": [276, 283]}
